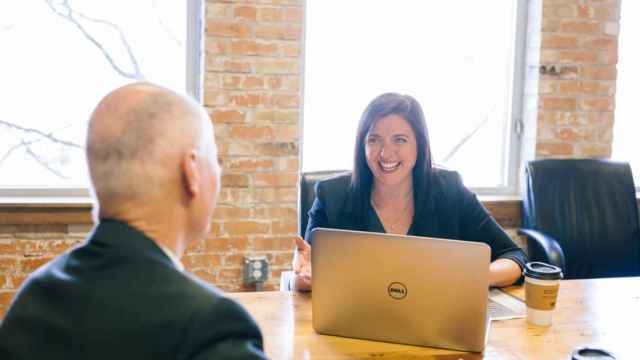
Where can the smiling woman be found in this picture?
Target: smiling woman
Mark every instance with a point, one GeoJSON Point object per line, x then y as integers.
{"type": "Point", "coordinates": [395, 189]}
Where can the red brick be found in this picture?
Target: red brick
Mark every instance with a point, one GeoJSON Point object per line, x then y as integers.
{"type": "Point", "coordinates": [6, 297]}
{"type": "Point", "coordinates": [245, 100]}
{"type": "Point", "coordinates": [601, 43]}
{"type": "Point", "coordinates": [254, 133]}
{"type": "Point", "coordinates": [598, 72]}
{"type": "Point", "coordinates": [215, 46]}
{"type": "Point", "coordinates": [274, 116]}
{"type": "Point", "coordinates": [559, 41]}
{"type": "Point", "coordinates": [293, 15]}
{"type": "Point", "coordinates": [595, 151]}
{"type": "Point", "coordinates": [278, 32]}
{"type": "Point", "coordinates": [569, 56]}
{"type": "Point", "coordinates": [608, 57]}
{"type": "Point", "coordinates": [275, 213]}
{"type": "Point", "coordinates": [276, 195]}
{"type": "Point", "coordinates": [206, 275]}
{"type": "Point", "coordinates": [235, 148]}
{"type": "Point", "coordinates": [252, 82]}
{"type": "Point", "coordinates": [582, 88]}
{"type": "Point", "coordinates": [546, 149]}
{"type": "Point", "coordinates": [606, 12]}
{"type": "Point", "coordinates": [557, 103]}
{"type": "Point", "coordinates": [290, 228]}
{"type": "Point", "coordinates": [218, 11]}
{"type": "Point", "coordinates": [291, 50]}
{"type": "Point", "coordinates": [277, 149]}
{"type": "Point", "coordinates": [234, 261]}
{"type": "Point", "coordinates": [215, 98]}
{"type": "Point", "coordinates": [278, 66]}
{"type": "Point", "coordinates": [279, 179]}
{"type": "Point", "coordinates": [291, 164]}
{"type": "Point", "coordinates": [270, 14]}
{"type": "Point", "coordinates": [559, 11]}
{"type": "Point", "coordinates": [228, 116]}
{"type": "Point", "coordinates": [8, 264]}
{"type": "Point", "coordinates": [248, 164]}
{"type": "Point", "coordinates": [563, 118]}
{"type": "Point", "coordinates": [230, 275]}
{"type": "Point", "coordinates": [251, 47]}
{"type": "Point", "coordinates": [245, 12]}
{"type": "Point", "coordinates": [9, 247]}
{"type": "Point", "coordinates": [580, 27]}
{"type": "Point", "coordinates": [274, 243]}
{"type": "Point", "coordinates": [196, 261]}
{"type": "Point", "coordinates": [601, 119]}
{"type": "Point", "coordinates": [231, 212]}
{"type": "Point", "coordinates": [231, 81]}
{"type": "Point", "coordinates": [235, 196]}
{"type": "Point", "coordinates": [235, 180]}
{"type": "Point", "coordinates": [597, 104]}
{"type": "Point", "coordinates": [226, 245]}
{"type": "Point", "coordinates": [228, 29]}
{"type": "Point", "coordinates": [573, 134]}
{"type": "Point", "coordinates": [238, 228]}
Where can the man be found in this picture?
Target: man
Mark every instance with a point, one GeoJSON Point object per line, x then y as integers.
{"type": "Point", "coordinates": [124, 294]}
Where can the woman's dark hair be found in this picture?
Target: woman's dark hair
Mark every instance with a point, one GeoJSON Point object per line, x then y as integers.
{"type": "Point", "coordinates": [362, 178]}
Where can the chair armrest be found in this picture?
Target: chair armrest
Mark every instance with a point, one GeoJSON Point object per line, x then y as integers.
{"type": "Point", "coordinates": [544, 248]}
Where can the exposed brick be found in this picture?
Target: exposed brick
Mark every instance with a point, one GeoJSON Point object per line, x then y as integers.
{"type": "Point", "coordinates": [228, 29]}
{"type": "Point", "coordinates": [276, 179]}
{"type": "Point", "coordinates": [235, 180]}
{"type": "Point", "coordinates": [569, 56]}
{"type": "Point", "coordinates": [251, 47]}
{"type": "Point", "coordinates": [277, 149]}
{"type": "Point", "coordinates": [545, 148]}
{"type": "Point", "coordinates": [580, 27]}
{"type": "Point", "coordinates": [238, 228]}
{"type": "Point", "coordinates": [557, 103]}
{"type": "Point", "coordinates": [276, 195]}
{"type": "Point", "coordinates": [274, 243]}
{"type": "Point", "coordinates": [196, 261]}
{"type": "Point", "coordinates": [225, 245]}
{"type": "Point", "coordinates": [275, 116]}
{"type": "Point", "coordinates": [28, 265]}
{"type": "Point", "coordinates": [559, 10]}
{"type": "Point", "coordinates": [275, 212]}
{"type": "Point", "coordinates": [6, 297]}
{"type": "Point", "coordinates": [8, 264]}
{"type": "Point", "coordinates": [277, 66]}
{"type": "Point", "coordinates": [231, 212]}
{"type": "Point", "coordinates": [278, 31]}
{"type": "Point", "coordinates": [597, 104]}
{"type": "Point", "coordinates": [559, 41]}
{"type": "Point", "coordinates": [245, 12]}
{"type": "Point", "coordinates": [598, 72]}
{"type": "Point", "coordinates": [290, 228]}
{"type": "Point", "coordinates": [228, 116]}
{"type": "Point", "coordinates": [601, 43]}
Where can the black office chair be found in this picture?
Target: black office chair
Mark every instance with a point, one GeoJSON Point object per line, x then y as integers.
{"type": "Point", "coordinates": [582, 215]}
{"type": "Point", "coordinates": [308, 182]}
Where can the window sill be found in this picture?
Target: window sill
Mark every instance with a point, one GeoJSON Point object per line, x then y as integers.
{"type": "Point", "coordinates": [45, 210]}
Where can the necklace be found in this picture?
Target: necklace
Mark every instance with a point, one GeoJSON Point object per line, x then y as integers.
{"type": "Point", "coordinates": [395, 223]}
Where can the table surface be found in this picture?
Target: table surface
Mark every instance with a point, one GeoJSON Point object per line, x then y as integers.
{"type": "Point", "coordinates": [600, 312]}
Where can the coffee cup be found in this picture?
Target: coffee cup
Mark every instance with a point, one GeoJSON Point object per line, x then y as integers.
{"type": "Point", "coordinates": [541, 285]}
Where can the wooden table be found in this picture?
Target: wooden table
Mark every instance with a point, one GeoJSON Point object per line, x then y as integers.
{"type": "Point", "coordinates": [604, 312]}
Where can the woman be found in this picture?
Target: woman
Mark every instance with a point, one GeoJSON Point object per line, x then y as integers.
{"type": "Point", "coordinates": [394, 188]}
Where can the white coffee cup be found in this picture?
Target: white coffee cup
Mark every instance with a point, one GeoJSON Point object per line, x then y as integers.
{"type": "Point", "coordinates": [542, 282]}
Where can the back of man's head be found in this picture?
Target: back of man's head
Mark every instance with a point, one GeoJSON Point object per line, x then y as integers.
{"type": "Point", "coordinates": [137, 138]}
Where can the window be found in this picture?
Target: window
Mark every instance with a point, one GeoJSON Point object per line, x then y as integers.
{"type": "Point", "coordinates": [460, 59]}
{"type": "Point", "coordinates": [59, 57]}
{"type": "Point", "coordinates": [625, 129]}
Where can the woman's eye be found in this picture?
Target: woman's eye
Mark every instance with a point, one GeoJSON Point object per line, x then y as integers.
{"type": "Point", "coordinates": [372, 140]}
{"type": "Point", "coordinates": [400, 140]}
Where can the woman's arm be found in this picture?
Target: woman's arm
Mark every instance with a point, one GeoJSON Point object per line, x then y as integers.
{"type": "Point", "coordinates": [302, 254]}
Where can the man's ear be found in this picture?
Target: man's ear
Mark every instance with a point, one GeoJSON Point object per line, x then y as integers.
{"type": "Point", "coordinates": [190, 173]}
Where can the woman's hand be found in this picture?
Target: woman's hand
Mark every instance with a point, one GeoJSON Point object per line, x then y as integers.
{"type": "Point", "coordinates": [302, 265]}
{"type": "Point", "coordinates": [503, 272]}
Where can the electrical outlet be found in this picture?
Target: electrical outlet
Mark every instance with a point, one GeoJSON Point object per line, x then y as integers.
{"type": "Point", "coordinates": [256, 270]}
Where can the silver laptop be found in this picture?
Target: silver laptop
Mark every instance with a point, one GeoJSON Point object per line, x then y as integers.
{"type": "Point", "coordinates": [402, 289]}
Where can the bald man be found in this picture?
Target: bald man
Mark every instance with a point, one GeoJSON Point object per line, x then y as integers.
{"type": "Point", "coordinates": [124, 294]}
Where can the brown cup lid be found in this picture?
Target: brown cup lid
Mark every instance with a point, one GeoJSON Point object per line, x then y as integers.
{"type": "Point", "coordinates": [591, 353]}
{"type": "Point", "coordinates": [542, 271]}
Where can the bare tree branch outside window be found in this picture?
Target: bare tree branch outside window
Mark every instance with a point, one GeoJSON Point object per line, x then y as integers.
{"type": "Point", "coordinates": [35, 142]}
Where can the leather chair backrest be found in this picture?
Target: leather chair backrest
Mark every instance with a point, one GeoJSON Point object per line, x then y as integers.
{"type": "Point", "coordinates": [589, 207]}
{"type": "Point", "coordinates": [308, 182]}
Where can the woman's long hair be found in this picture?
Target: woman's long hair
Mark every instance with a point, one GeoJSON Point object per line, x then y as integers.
{"type": "Point", "coordinates": [409, 109]}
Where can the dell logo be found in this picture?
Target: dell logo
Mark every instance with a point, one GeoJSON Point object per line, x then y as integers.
{"type": "Point", "coordinates": [397, 290]}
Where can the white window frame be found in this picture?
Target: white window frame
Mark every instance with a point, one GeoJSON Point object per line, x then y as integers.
{"type": "Point", "coordinates": [515, 127]}
{"type": "Point", "coordinates": [193, 86]}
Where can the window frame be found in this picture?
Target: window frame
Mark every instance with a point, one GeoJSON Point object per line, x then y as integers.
{"type": "Point", "coordinates": [194, 86]}
{"type": "Point", "coordinates": [515, 105]}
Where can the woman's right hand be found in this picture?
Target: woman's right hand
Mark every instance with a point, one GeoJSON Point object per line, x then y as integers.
{"type": "Point", "coordinates": [302, 265]}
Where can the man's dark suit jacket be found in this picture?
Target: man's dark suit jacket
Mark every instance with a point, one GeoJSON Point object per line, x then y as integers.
{"type": "Point", "coordinates": [454, 213]}
{"type": "Point", "coordinates": [119, 296]}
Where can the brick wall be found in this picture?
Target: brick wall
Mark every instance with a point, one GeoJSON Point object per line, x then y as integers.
{"type": "Point", "coordinates": [578, 57]}
{"type": "Point", "coordinates": [252, 90]}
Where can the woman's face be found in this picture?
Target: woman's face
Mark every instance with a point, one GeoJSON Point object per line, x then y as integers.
{"type": "Point", "coordinates": [391, 150]}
